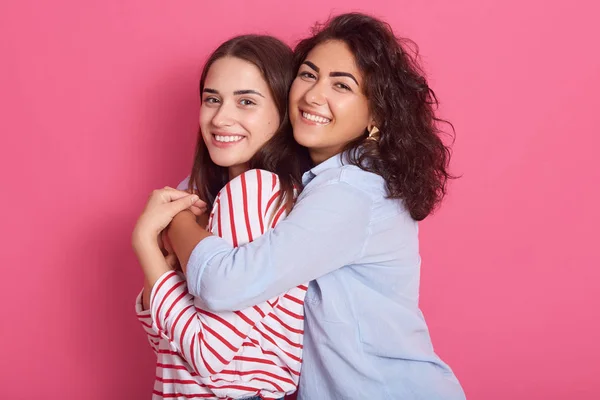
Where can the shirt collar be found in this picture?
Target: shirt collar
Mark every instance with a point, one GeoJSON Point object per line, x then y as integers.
{"type": "Point", "coordinates": [336, 161]}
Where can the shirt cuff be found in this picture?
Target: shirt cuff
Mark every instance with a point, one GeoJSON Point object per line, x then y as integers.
{"type": "Point", "coordinates": [165, 293]}
{"type": "Point", "coordinates": [139, 307]}
{"type": "Point", "coordinates": [201, 255]}
{"type": "Point", "coordinates": [145, 318]}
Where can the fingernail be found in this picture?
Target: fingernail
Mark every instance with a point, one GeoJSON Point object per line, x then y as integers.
{"type": "Point", "coordinates": [194, 198]}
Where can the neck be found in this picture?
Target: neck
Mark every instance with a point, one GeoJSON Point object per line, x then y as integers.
{"type": "Point", "coordinates": [237, 170]}
{"type": "Point", "coordinates": [318, 156]}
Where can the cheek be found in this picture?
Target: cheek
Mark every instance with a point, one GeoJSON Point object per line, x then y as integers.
{"type": "Point", "coordinates": [205, 117]}
{"type": "Point", "coordinates": [261, 126]}
{"type": "Point", "coordinates": [296, 93]}
{"type": "Point", "coordinates": [205, 124]}
{"type": "Point", "coordinates": [353, 110]}
{"type": "Point", "coordinates": [351, 116]}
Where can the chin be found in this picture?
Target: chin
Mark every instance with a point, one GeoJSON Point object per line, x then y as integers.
{"type": "Point", "coordinates": [221, 161]}
{"type": "Point", "coordinates": [224, 164]}
{"type": "Point", "coordinates": [306, 140]}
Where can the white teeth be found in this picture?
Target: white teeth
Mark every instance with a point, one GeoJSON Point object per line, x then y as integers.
{"type": "Point", "coordinates": [228, 139]}
{"type": "Point", "coordinates": [316, 118]}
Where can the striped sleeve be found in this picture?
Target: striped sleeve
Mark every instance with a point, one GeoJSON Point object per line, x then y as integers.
{"type": "Point", "coordinates": [207, 341]}
{"type": "Point", "coordinates": [144, 316]}
{"type": "Point", "coordinates": [244, 209]}
{"type": "Point", "coordinates": [247, 207]}
{"type": "Point", "coordinates": [145, 320]}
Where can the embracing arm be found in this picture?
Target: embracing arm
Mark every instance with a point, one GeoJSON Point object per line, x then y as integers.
{"type": "Point", "coordinates": [326, 230]}
{"type": "Point", "coordinates": [209, 341]}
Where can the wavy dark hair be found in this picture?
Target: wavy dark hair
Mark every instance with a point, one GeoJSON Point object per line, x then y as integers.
{"type": "Point", "coordinates": [410, 154]}
{"type": "Point", "coordinates": [281, 154]}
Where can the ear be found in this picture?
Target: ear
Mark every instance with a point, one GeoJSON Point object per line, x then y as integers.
{"type": "Point", "coordinates": [373, 131]}
{"type": "Point", "coordinates": [371, 124]}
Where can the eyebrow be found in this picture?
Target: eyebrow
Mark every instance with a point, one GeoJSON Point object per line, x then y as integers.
{"type": "Point", "coordinates": [332, 74]}
{"type": "Point", "coordinates": [236, 93]}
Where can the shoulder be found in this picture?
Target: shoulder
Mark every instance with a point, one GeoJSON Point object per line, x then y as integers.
{"type": "Point", "coordinates": [183, 185]}
{"type": "Point", "coordinates": [252, 184]}
{"type": "Point", "coordinates": [355, 189]}
{"type": "Point", "coordinates": [255, 180]}
{"type": "Point", "coordinates": [349, 178]}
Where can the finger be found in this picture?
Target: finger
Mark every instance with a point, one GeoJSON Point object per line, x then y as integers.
{"type": "Point", "coordinates": [177, 194]}
{"type": "Point", "coordinates": [160, 242]}
{"type": "Point", "coordinates": [197, 211]}
{"type": "Point", "coordinates": [171, 259]}
{"type": "Point", "coordinates": [184, 203]}
{"type": "Point", "coordinates": [200, 204]}
{"type": "Point", "coordinates": [169, 194]}
{"type": "Point", "coordinates": [166, 241]}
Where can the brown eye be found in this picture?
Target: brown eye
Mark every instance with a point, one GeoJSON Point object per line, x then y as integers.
{"type": "Point", "coordinates": [307, 75]}
{"type": "Point", "coordinates": [211, 100]}
{"type": "Point", "coordinates": [343, 86]}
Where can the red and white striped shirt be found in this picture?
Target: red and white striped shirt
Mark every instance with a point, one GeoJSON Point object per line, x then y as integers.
{"type": "Point", "coordinates": [228, 355]}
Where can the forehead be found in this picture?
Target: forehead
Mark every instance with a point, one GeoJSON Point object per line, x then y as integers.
{"type": "Point", "coordinates": [334, 55]}
{"type": "Point", "coordinates": [228, 74]}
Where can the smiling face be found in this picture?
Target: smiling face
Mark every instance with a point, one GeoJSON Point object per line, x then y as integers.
{"type": "Point", "coordinates": [238, 114]}
{"type": "Point", "coordinates": [327, 106]}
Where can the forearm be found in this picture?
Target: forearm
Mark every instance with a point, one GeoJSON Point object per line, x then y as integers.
{"type": "Point", "coordinates": [195, 333]}
{"type": "Point", "coordinates": [317, 237]}
{"type": "Point", "coordinates": [153, 265]}
{"type": "Point", "coordinates": [184, 235]}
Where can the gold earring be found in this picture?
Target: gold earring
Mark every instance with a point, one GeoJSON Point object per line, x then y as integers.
{"type": "Point", "coordinates": [374, 134]}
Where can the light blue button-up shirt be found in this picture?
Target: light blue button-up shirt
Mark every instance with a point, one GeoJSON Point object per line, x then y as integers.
{"type": "Point", "coordinates": [365, 337]}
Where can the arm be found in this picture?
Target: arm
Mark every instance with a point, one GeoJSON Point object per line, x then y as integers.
{"type": "Point", "coordinates": [144, 302]}
{"type": "Point", "coordinates": [209, 341]}
{"type": "Point", "coordinates": [326, 230]}
{"type": "Point", "coordinates": [148, 252]}
{"type": "Point", "coordinates": [143, 316]}
{"type": "Point", "coordinates": [184, 234]}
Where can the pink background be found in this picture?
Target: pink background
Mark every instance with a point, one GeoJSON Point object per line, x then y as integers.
{"type": "Point", "coordinates": [98, 106]}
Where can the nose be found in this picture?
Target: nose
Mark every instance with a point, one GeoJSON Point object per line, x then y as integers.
{"type": "Point", "coordinates": [315, 95]}
{"type": "Point", "coordinates": [223, 117]}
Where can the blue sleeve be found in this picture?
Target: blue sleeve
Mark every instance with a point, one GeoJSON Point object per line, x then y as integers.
{"type": "Point", "coordinates": [326, 230]}
{"type": "Point", "coordinates": [183, 185]}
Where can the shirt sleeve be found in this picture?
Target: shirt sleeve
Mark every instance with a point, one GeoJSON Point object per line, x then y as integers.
{"type": "Point", "coordinates": [144, 316]}
{"type": "Point", "coordinates": [145, 320]}
{"type": "Point", "coordinates": [209, 341]}
{"type": "Point", "coordinates": [326, 229]}
{"type": "Point", "coordinates": [183, 185]}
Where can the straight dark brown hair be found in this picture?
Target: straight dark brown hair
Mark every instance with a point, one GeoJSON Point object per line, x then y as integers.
{"type": "Point", "coordinates": [281, 154]}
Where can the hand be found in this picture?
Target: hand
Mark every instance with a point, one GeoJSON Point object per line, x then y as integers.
{"type": "Point", "coordinates": [160, 209]}
{"type": "Point", "coordinates": [173, 261]}
{"type": "Point", "coordinates": [164, 242]}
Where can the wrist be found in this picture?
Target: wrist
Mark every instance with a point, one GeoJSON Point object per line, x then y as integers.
{"type": "Point", "coordinates": [182, 219]}
{"type": "Point", "coordinates": [142, 242]}
{"type": "Point", "coordinates": [185, 215]}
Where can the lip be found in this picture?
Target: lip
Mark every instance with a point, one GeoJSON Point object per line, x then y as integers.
{"type": "Point", "coordinates": [223, 145]}
{"type": "Point", "coordinates": [309, 122]}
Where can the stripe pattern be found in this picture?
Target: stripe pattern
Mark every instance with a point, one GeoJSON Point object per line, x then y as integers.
{"type": "Point", "coordinates": [228, 355]}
